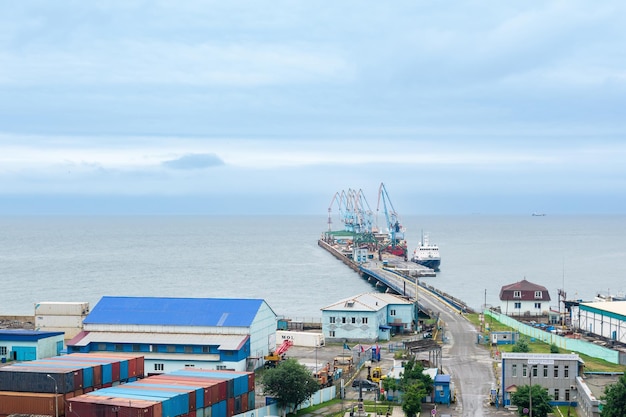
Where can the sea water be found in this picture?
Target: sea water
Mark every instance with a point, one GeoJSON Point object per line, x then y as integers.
{"type": "Point", "coordinates": [277, 258]}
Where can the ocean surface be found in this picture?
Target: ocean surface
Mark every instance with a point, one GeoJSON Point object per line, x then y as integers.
{"type": "Point", "coordinates": [277, 258]}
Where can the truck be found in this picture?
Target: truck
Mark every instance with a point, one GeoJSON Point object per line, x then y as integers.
{"type": "Point", "coordinates": [274, 358]}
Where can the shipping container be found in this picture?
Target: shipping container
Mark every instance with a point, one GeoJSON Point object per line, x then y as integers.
{"type": "Point", "coordinates": [230, 407]}
{"type": "Point", "coordinates": [72, 322]}
{"type": "Point", "coordinates": [70, 332]}
{"type": "Point", "coordinates": [251, 401]}
{"type": "Point", "coordinates": [307, 339]}
{"type": "Point", "coordinates": [168, 388]}
{"type": "Point", "coordinates": [31, 403]}
{"type": "Point", "coordinates": [112, 407]}
{"type": "Point", "coordinates": [173, 403]}
{"type": "Point", "coordinates": [239, 382]}
{"type": "Point", "coordinates": [215, 390]}
{"type": "Point", "coordinates": [61, 308]}
{"type": "Point", "coordinates": [219, 409]}
{"type": "Point", "coordinates": [25, 379]}
{"type": "Point", "coordinates": [196, 391]}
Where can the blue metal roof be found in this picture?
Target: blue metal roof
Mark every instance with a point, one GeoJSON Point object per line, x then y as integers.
{"type": "Point", "coordinates": [26, 335]}
{"type": "Point", "coordinates": [211, 312]}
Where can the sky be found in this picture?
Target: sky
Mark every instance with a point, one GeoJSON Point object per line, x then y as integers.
{"type": "Point", "coordinates": [259, 107]}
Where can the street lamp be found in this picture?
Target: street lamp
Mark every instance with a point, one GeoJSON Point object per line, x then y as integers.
{"type": "Point", "coordinates": [56, 395]}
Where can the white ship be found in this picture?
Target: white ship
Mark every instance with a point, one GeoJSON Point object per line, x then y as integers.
{"type": "Point", "coordinates": [427, 254]}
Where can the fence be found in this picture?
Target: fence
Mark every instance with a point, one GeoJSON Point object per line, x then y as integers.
{"type": "Point", "coordinates": [576, 345]}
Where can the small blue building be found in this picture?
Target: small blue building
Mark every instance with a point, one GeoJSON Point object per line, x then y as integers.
{"type": "Point", "coordinates": [29, 345]}
{"type": "Point", "coordinates": [443, 393]}
{"type": "Point", "coordinates": [368, 317]}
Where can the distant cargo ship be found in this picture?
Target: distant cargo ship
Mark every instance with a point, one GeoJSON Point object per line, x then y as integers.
{"type": "Point", "coordinates": [539, 214]}
{"type": "Point", "coordinates": [427, 254]}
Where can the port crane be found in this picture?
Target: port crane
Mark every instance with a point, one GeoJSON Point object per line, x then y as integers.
{"type": "Point", "coordinates": [354, 210]}
{"type": "Point", "coordinates": [395, 244]}
{"type": "Point", "coordinates": [278, 355]}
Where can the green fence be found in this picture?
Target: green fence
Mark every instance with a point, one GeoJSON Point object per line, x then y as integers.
{"type": "Point", "coordinates": [565, 343]}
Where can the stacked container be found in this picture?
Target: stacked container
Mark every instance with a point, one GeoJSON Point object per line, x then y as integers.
{"type": "Point", "coordinates": [64, 317]}
{"type": "Point", "coordinates": [189, 392]}
{"type": "Point", "coordinates": [29, 386]}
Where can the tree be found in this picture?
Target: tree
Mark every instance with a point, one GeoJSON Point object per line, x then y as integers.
{"type": "Point", "coordinates": [412, 399]}
{"type": "Point", "coordinates": [615, 399]}
{"type": "Point", "coordinates": [554, 348]}
{"type": "Point", "coordinates": [521, 346]}
{"type": "Point", "coordinates": [416, 385]}
{"type": "Point", "coordinates": [540, 399]}
{"type": "Point", "coordinates": [290, 383]}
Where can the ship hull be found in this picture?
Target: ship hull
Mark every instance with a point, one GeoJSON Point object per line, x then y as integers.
{"type": "Point", "coordinates": [429, 263]}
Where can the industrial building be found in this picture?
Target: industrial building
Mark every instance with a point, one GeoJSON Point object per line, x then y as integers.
{"type": "Point", "coordinates": [173, 333]}
{"type": "Point", "coordinates": [29, 345]}
{"type": "Point", "coordinates": [368, 317]}
{"type": "Point", "coordinates": [555, 372]}
{"type": "Point", "coordinates": [606, 319]}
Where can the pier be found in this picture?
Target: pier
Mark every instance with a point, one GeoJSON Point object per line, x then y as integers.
{"type": "Point", "coordinates": [394, 274]}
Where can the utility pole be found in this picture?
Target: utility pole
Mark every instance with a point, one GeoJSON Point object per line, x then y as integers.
{"type": "Point", "coordinates": [56, 395]}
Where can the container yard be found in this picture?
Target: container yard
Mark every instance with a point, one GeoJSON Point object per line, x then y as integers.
{"type": "Point", "coordinates": [29, 387]}
{"type": "Point", "coordinates": [187, 392]}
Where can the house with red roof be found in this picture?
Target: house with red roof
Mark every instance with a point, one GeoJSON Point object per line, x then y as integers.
{"type": "Point", "coordinates": [524, 298]}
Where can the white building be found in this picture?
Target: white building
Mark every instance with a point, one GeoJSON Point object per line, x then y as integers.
{"type": "Point", "coordinates": [555, 372]}
{"type": "Point", "coordinates": [524, 298]}
{"type": "Point", "coordinates": [368, 317]}
{"type": "Point", "coordinates": [605, 318]}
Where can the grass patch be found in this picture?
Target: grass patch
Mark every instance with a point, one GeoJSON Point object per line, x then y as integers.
{"type": "Point", "coordinates": [564, 411]}
{"type": "Point", "coordinates": [316, 407]}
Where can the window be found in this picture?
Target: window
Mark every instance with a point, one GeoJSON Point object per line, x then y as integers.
{"type": "Point", "coordinates": [119, 348]}
{"type": "Point", "coordinates": [364, 320]}
{"type": "Point", "coordinates": [205, 349]}
{"type": "Point", "coordinates": [514, 370]}
{"type": "Point", "coordinates": [517, 294]}
{"type": "Point", "coordinates": [537, 306]}
{"type": "Point", "coordinates": [136, 348]}
{"type": "Point", "coordinates": [545, 371]}
{"type": "Point", "coordinates": [171, 349]}
{"type": "Point", "coordinates": [556, 371]}
{"type": "Point", "coordinates": [343, 320]}
{"type": "Point", "coordinates": [535, 371]}
{"type": "Point", "coordinates": [190, 365]}
{"type": "Point", "coordinates": [221, 367]}
{"type": "Point", "coordinates": [392, 312]}
{"type": "Point", "coordinates": [102, 346]}
{"type": "Point", "coordinates": [3, 350]}
{"type": "Point", "coordinates": [331, 333]}
{"type": "Point", "coordinates": [566, 395]}
{"type": "Point", "coordinates": [538, 294]}
{"type": "Point", "coordinates": [518, 305]}
{"type": "Point", "coordinates": [556, 394]}
{"type": "Point", "coordinates": [566, 371]}
{"type": "Point", "coordinates": [353, 320]}
{"type": "Point", "coordinates": [332, 320]}
{"type": "Point", "coordinates": [524, 371]}
{"type": "Point", "coordinates": [188, 349]}
{"type": "Point", "coordinates": [159, 366]}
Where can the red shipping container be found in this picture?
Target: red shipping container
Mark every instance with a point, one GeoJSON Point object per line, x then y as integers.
{"type": "Point", "coordinates": [112, 407]}
{"type": "Point", "coordinates": [244, 403]}
{"type": "Point", "coordinates": [30, 403]}
{"type": "Point", "coordinates": [230, 407]}
{"type": "Point", "coordinates": [251, 382]}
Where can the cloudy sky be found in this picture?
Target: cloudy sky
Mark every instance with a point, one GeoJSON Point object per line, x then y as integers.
{"type": "Point", "coordinates": [271, 107]}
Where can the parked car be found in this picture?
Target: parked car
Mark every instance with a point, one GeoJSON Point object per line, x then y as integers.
{"type": "Point", "coordinates": [428, 335]}
{"type": "Point", "coordinates": [366, 384]}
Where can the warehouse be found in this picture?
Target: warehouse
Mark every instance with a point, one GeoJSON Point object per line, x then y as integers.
{"type": "Point", "coordinates": [606, 319]}
{"type": "Point", "coordinates": [173, 333]}
{"type": "Point", "coordinates": [29, 345]}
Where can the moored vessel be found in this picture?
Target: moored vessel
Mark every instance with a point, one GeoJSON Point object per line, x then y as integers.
{"type": "Point", "coordinates": [427, 254]}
